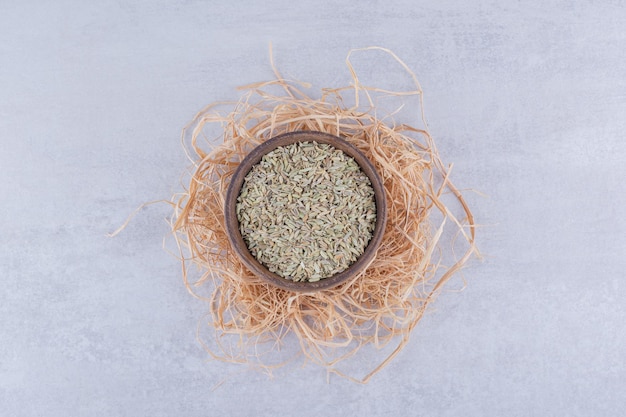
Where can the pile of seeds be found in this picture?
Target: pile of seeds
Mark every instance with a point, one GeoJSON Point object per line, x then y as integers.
{"type": "Point", "coordinates": [306, 211]}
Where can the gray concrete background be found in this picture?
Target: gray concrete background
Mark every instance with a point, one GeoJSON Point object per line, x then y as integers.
{"type": "Point", "coordinates": [527, 99]}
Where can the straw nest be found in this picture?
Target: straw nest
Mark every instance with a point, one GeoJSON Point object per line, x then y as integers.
{"type": "Point", "coordinates": [252, 320]}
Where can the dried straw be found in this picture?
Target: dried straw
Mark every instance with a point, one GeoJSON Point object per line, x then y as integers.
{"type": "Point", "coordinates": [380, 306]}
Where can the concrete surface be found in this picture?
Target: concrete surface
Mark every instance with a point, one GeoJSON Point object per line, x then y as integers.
{"type": "Point", "coordinates": [527, 99]}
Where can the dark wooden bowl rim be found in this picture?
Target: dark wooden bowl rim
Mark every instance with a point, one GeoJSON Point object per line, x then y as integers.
{"type": "Point", "coordinates": [232, 224]}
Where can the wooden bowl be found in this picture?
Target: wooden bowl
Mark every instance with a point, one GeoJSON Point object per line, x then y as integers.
{"type": "Point", "coordinates": [232, 224]}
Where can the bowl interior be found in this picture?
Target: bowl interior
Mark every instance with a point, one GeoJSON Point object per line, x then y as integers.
{"type": "Point", "coordinates": [232, 224]}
